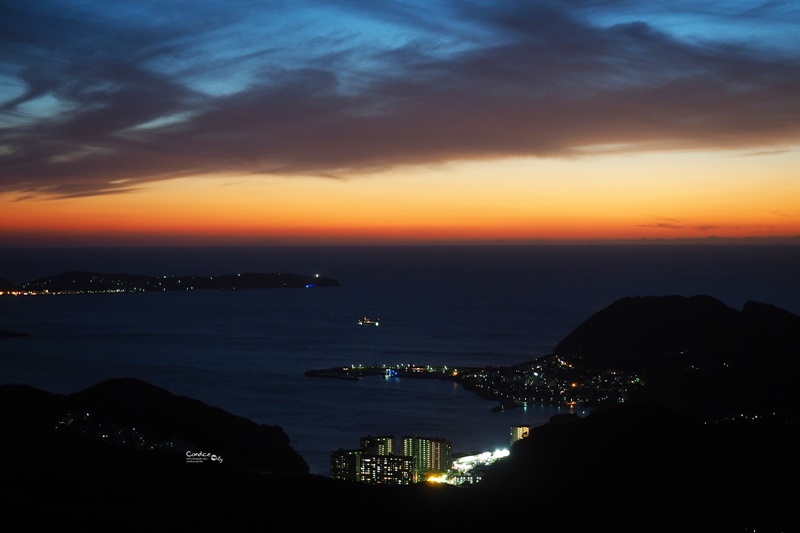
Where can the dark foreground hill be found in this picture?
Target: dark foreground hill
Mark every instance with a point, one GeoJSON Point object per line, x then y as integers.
{"type": "Point", "coordinates": [627, 468]}
{"type": "Point", "coordinates": [133, 414]}
{"type": "Point", "coordinates": [640, 467]}
{"type": "Point", "coordinates": [126, 456]}
{"type": "Point", "coordinates": [643, 465]}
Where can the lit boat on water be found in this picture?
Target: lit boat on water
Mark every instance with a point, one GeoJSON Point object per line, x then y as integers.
{"type": "Point", "coordinates": [368, 322]}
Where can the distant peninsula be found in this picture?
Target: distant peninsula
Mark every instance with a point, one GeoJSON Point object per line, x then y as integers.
{"type": "Point", "coordinates": [5, 333]}
{"type": "Point", "coordinates": [78, 282]}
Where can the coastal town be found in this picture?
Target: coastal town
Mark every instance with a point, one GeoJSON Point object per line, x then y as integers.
{"type": "Point", "coordinates": [546, 380]}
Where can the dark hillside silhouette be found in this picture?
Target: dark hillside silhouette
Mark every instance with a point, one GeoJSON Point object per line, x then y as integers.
{"type": "Point", "coordinates": [131, 413]}
{"type": "Point", "coordinates": [654, 334]}
{"type": "Point", "coordinates": [656, 469]}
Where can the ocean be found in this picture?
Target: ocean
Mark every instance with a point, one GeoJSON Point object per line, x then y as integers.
{"type": "Point", "coordinates": [247, 351]}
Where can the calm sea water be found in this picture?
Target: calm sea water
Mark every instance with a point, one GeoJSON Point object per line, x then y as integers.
{"type": "Point", "coordinates": [246, 351]}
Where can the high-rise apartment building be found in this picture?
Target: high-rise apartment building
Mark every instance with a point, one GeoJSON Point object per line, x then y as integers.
{"type": "Point", "coordinates": [383, 445]}
{"type": "Point", "coordinates": [375, 462]}
{"type": "Point", "coordinates": [387, 469]}
{"type": "Point", "coordinates": [345, 464]}
{"type": "Point", "coordinates": [433, 455]}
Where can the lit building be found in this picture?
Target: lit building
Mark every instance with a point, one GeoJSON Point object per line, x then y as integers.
{"type": "Point", "coordinates": [387, 469]}
{"type": "Point", "coordinates": [383, 445]}
{"type": "Point", "coordinates": [519, 432]}
{"type": "Point", "coordinates": [375, 461]}
{"type": "Point", "coordinates": [433, 455]}
{"type": "Point", "coordinates": [345, 464]}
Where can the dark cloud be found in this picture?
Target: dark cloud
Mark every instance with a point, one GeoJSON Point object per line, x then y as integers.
{"type": "Point", "coordinates": [511, 79]}
{"type": "Point", "coordinates": [679, 226]}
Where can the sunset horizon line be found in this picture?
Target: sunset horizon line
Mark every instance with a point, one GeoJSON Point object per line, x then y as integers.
{"type": "Point", "coordinates": [710, 240]}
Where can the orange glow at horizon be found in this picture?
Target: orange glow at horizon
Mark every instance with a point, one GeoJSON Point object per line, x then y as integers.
{"type": "Point", "coordinates": [614, 197]}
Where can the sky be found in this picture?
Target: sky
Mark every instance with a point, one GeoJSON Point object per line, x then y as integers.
{"type": "Point", "coordinates": [246, 122]}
